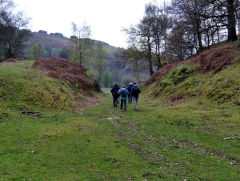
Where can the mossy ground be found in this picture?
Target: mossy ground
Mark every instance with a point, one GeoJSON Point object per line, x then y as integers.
{"type": "Point", "coordinates": [161, 141]}
{"type": "Point", "coordinates": [222, 87]}
{"type": "Point", "coordinates": [23, 88]}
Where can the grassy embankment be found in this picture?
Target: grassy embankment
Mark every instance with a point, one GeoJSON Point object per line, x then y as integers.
{"type": "Point", "coordinates": [177, 140]}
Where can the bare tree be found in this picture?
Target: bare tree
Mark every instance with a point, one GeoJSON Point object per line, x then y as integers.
{"type": "Point", "coordinates": [150, 35]}
{"type": "Point", "coordinates": [100, 62]}
{"type": "Point", "coordinates": [190, 12]}
{"type": "Point", "coordinates": [140, 37]}
{"type": "Point", "coordinates": [160, 24]}
{"type": "Point", "coordinates": [178, 45]}
{"type": "Point", "coordinates": [82, 41]}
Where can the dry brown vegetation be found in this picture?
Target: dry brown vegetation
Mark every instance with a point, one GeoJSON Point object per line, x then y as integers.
{"type": "Point", "coordinates": [212, 60]}
{"type": "Point", "coordinates": [216, 59]}
{"type": "Point", "coordinates": [11, 60]}
{"type": "Point", "coordinates": [72, 72]}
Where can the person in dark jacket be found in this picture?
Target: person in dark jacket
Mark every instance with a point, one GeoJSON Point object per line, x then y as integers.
{"type": "Point", "coordinates": [115, 94]}
{"type": "Point", "coordinates": [135, 92]}
{"type": "Point", "coordinates": [123, 92]}
{"type": "Point", "coordinates": [130, 90]}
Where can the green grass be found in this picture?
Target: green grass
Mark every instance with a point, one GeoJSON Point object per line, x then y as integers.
{"type": "Point", "coordinates": [161, 141]}
{"type": "Point", "coordinates": [157, 143]}
{"type": "Point", "coordinates": [186, 141]}
{"type": "Point", "coordinates": [222, 87]}
{"type": "Point", "coordinates": [64, 146]}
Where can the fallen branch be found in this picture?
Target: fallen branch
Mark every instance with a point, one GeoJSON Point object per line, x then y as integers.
{"type": "Point", "coordinates": [31, 113]}
{"type": "Point", "coordinates": [229, 138]}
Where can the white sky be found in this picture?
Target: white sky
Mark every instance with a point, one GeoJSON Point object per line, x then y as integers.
{"type": "Point", "coordinates": [106, 17]}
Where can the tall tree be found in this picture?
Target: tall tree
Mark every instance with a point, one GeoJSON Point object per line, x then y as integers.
{"type": "Point", "coordinates": [12, 36]}
{"type": "Point", "coordinates": [232, 35]}
{"type": "Point", "coordinates": [140, 36]}
{"type": "Point", "coordinates": [82, 41]}
{"type": "Point", "coordinates": [160, 24]}
{"type": "Point", "coordinates": [190, 12]}
{"type": "Point", "coordinates": [100, 61]}
{"type": "Point", "coordinates": [179, 46]}
{"type": "Point", "coordinates": [150, 35]}
{"type": "Point", "coordinates": [229, 10]}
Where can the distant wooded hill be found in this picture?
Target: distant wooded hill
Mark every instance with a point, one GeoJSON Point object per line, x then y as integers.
{"type": "Point", "coordinates": [54, 43]}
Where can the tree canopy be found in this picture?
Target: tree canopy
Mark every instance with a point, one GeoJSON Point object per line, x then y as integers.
{"type": "Point", "coordinates": [12, 32]}
{"type": "Point", "coordinates": [182, 29]}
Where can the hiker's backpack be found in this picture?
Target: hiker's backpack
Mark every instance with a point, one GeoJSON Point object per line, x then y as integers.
{"type": "Point", "coordinates": [124, 93]}
{"type": "Point", "coordinates": [135, 91]}
{"type": "Point", "coordinates": [115, 91]}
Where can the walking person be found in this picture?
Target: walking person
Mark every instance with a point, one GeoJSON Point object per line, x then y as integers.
{"type": "Point", "coordinates": [123, 92]}
{"type": "Point", "coordinates": [135, 92]}
{"type": "Point", "coordinates": [130, 90]}
{"type": "Point", "coordinates": [115, 94]}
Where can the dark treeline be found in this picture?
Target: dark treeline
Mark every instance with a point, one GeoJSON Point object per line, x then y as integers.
{"type": "Point", "coordinates": [180, 30]}
{"type": "Point", "coordinates": [12, 32]}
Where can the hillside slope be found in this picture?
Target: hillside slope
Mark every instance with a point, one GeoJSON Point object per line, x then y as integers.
{"type": "Point", "coordinates": [25, 88]}
{"type": "Point", "coordinates": [55, 44]}
{"type": "Point", "coordinates": [212, 75]}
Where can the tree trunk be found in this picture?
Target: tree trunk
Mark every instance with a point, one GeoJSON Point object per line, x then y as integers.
{"type": "Point", "coordinates": [149, 57]}
{"type": "Point", "coordinates": [199, 37]}
{"type": "Point", "coordinates": [158, 56]}
{"type": "Point", "coordinates": [208, 39]}
{"type": "Point", "coordinates": [166, 53]}
{"type": "Point", "coordinates": [159, 65]}
{"type": "Point", "coordinates": [218, 35]}
{"type": "Point", "coordinates": [232, 35]}
{"type": "Point", "coordinates": [9, 53]}
{"type": "Point", "coordinates": [150, 67]}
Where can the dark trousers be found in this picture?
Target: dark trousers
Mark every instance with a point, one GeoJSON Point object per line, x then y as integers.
{"type": "Point", "coordinates": [129, 98]}
{"type": "Point", "coordinates": [115, 100]}
{"type": "Point", "coordinates": [125, 104]}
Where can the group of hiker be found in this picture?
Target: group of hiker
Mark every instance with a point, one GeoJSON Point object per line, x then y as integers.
{"type": "Point", "coordinates": [125, 93]}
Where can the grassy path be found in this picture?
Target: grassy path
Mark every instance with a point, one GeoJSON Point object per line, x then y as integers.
{"type": "Point", "coordinates": [178, 142]}
{"type": "Point", "coordinates": [181, 142]}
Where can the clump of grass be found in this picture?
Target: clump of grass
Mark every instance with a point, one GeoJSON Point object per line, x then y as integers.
{"type": "Point", "coordinates": [179, 74]}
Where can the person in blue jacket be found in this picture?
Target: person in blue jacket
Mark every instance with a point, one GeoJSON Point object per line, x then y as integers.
{"type": "Point", "coordinates": [123, 92]}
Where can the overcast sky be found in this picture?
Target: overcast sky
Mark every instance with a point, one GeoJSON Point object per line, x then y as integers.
{"type": "Point", "coordinates": [106, 17]}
